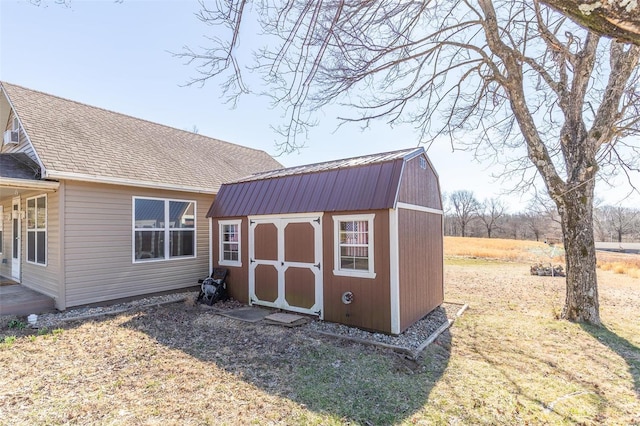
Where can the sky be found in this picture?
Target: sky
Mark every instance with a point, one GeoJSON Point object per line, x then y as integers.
{"type": "Point", "coordinates": [118, 56]}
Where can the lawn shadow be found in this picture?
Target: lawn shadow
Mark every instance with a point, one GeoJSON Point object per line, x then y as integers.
{"type": "Point", "coordinates": [348, 381]}
{"type": "Point", "coordinates": [625, 349]}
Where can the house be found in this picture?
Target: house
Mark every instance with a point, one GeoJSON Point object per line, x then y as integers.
{"type": "Point", "coordinates": [96, 205]}
{"type": "Point", "coordinates": [356, 241]}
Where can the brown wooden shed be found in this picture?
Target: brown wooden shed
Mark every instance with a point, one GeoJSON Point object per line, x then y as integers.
{"type": "Point", "coordinates": [357, 241]}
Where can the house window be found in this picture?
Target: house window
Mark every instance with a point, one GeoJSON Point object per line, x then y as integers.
{"type": "Point", "coordinates": [353, 247]}
{"type": "Point", "coordinates": [163, 229]}
{"type": "Point", "coordinates": [37, 230]}
{"type": "Point", "coordinates": [229, 249]}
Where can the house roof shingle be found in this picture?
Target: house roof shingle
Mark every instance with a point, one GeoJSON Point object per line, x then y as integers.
{"type": "Point", "coordinates": [75, 139]}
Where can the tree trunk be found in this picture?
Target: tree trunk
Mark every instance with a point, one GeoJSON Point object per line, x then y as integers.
{"type": "Point", "coordinates": [581, 302]}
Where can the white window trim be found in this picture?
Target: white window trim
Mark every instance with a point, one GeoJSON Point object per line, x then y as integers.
{"type": "Point", "coordinates": [166, 230]}
{"type": "Point", "coordinates": [371, 274]}
{"type": "Point", "coordinates": [221, 260]}
{"type": "Point", "coordinates": [46, 232]}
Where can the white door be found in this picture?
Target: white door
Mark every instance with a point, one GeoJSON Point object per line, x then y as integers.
{"type": "Point", "coordinates": [285, 262]}
{"type": "Point", "coordinates": [16, 239]}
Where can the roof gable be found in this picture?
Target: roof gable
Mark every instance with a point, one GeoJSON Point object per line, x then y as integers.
{"type": "Point", "coordinates": [361, 183]}
{"type": "Point", "coordinates": [78, 141]}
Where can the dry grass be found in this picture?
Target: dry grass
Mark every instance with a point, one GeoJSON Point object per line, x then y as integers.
{"type": "Point", "coordinates": [507, 360]}
{"type": "Point", "coordinates": [620, 263]}
{"type": "Point", "coordinates": [503, 249]}
{"type": "Point", "coordinates": [533, 252]}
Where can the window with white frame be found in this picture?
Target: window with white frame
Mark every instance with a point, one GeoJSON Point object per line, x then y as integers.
{"type": "Point", "coordinates": [353, 248]}
{"type": "Point", "coordinates": [229, 249]}
{"type": "Point", "coordinates": [37, 230]}
{"type": "Point", "coordinates": [163, 229]}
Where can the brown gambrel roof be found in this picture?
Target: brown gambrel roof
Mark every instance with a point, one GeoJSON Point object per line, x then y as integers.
{"type": "Point", "coordinates": [362, 183]}
{"type": "Point", "coordinates": [78, 141]}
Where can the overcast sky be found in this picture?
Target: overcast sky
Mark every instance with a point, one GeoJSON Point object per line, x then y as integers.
{"type": "Point", "coordinates": [117, 56]}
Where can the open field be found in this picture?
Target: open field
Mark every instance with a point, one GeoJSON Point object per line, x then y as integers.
{"type": "Point", "coordinates": [534, 252]}
{"type": "Point", "coordinates": [507, 360]}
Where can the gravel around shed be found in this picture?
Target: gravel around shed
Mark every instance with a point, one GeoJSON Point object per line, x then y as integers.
{"type": "Point", "coordinates": [411, 343]}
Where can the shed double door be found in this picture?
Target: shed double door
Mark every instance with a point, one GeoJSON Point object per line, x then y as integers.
{"type": "Point", "coordinates": [285, 262]}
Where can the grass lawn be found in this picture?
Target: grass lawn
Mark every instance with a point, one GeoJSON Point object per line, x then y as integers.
{"type": "Point", "coordinates": [507, 360]}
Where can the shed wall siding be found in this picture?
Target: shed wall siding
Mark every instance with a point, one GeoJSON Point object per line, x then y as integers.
{"type": "Point", "coordinates": [238, 278]}
{"type": "Point", "coordinates": [420, 264]}
{"type": "Point", "coordinates": [44, 279]}
{"type": "Point", "coordinates": [420, 186]}
{"type": "Point", "coordinates": [370, 308]}
{"type": "Point", "coordinates": [98, 245]}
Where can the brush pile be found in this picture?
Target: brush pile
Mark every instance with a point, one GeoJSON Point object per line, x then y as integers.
{"type": "Point", "coordinates": [547, 270]}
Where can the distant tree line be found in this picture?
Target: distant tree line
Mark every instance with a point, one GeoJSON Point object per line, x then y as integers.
{"type": "Point", "coordinates": [466, 216]}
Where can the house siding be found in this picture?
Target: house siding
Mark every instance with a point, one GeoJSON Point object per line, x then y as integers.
{"type": "Point", "coordinates": [43, 278]}
{"type": "Point", "coordinates": [371, 306]}
{"type": "Point", "coordinates": [420, 264]}
{"type": "Point", "coordinates": [98, 245]}
{"type": "Point", "coordinates": [22, 147]}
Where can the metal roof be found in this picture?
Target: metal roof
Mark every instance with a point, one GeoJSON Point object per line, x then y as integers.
{"type": "Point", "coordinates": [361, 183]}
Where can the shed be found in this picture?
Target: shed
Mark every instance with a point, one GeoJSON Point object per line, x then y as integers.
{"type": "Point", "coordinates": [357, 241]}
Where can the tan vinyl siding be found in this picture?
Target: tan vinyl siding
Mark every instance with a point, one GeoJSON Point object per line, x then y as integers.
{"type": "Point", "coordinates": [43, 278]}
{"type": "Point", "coordinates": [24, 146]}
{"type": "Point", "coordinates": [98, 245]}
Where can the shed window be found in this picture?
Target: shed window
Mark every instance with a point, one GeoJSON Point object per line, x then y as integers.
{"type": "Point", "coordinates": [163, 229]}
{"type": "Point", "coordinates": [353, 248]}
{"type": "Point", "coordinates": [229, 249]}
{"type": "Point", "coordinates": [37, 230]}
{"type": "Point", "coordinates": [423, 163]}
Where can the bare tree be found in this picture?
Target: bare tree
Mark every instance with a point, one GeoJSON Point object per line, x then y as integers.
{"type": "Point", "coordinates": [464, 208]}
{"type": "Point", "coordinates": [619, 19]}
{"type": "Point", "coordinates": [535, 221]}
{"type": "Point", "coordinates": [618, 221]}
{"type": "Point", "coordinates": [491, 211]}
{"type": "Point", "coordinates": [513, 76]}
